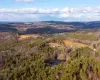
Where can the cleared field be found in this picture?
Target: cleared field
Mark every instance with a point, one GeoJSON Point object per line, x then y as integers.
{"type": "Point", "coordinates": [22, 37]}
{"type": "Point", "coordinates": [74, 44]}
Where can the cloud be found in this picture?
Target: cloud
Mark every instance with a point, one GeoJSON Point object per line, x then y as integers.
{"type": "Point", "coordinates": [85, 13]}
{"type": "Point", "coordinates": [28, 1]}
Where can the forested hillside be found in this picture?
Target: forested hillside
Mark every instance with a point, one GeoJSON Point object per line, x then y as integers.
{"type": "Point", "coordinates": [65, 56]}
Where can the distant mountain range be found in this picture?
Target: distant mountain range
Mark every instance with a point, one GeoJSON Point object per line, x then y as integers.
{"type": "Point", "coordinates": [47, 26]}
{"type": "Point", "coordinates": [83, 25]}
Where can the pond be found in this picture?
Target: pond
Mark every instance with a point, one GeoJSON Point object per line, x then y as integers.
{"type": "Point", "coordinates": [55, 62]}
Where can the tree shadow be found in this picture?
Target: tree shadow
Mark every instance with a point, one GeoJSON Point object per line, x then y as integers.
{"type": "Point", "coordinates": [7, 28]}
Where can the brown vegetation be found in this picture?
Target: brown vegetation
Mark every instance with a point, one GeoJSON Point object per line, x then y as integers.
{"type": "Point", "coordinates": [22, 37]}
{"type": "Point", "coordinates": [74, 44]}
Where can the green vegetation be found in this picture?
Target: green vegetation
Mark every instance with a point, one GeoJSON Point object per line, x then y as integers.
{"type": "Point", "coordinates": [32, 59]}
{"type": "Point", "coordinates": [83, 36]}
{"type": "Point", "coordinates": [82, 53]}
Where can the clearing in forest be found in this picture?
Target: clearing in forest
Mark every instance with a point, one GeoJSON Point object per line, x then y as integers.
{"type": "Point", "coordinates": [75, 44]}
{"type": "Point", "coordinates": [22, 37]}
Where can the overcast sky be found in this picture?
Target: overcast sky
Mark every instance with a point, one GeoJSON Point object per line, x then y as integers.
{"type": "Point", "coordinates": [45, 10]}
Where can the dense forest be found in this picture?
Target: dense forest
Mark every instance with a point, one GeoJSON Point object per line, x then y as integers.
{"type": "Point", "coordinates": [47, 57]}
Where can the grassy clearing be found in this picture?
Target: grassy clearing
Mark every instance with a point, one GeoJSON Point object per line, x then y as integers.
{"type": "Point", "coordinates": [74, 44]}
{"type": "Point", "coordinates": [23, 37]}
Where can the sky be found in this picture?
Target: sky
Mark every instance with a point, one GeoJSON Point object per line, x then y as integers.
{"type": "Point", "coordinates": [47, 10]}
